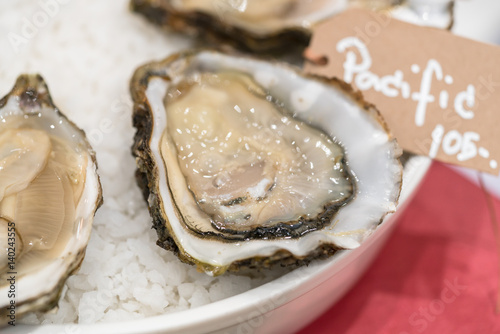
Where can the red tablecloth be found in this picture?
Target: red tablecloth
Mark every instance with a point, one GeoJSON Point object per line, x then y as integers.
{"type": "Point", "coordinates": [437, 274]}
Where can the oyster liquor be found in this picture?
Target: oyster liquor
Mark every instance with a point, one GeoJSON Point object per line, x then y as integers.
{"type": "Point", "coordinates": [11, 278]}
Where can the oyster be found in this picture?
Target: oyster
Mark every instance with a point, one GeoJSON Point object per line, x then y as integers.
{"type": "Point", "coordinates": [246, 163]}
{"type": "Point", "coordinates": [275, 25]}
{"type": "Point", "coordinates": [257, 25]}
{"type": "Point", "coordinates": [49, 192]}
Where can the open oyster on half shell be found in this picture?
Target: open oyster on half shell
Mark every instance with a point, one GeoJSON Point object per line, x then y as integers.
{"type": "Point", "coordinates": [49, 192]}
{"type": "Point", "coordinates": [275, 25]}
{"type": "Point", "coordinates": [257, 25]}
{"type": "Point", "coordinates": [247, 163]}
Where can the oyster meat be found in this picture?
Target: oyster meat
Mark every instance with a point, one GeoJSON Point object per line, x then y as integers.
{"type": "Point", "coordinates": [49, 192]}
{"type": "Point", "coordinates": [246, 163]}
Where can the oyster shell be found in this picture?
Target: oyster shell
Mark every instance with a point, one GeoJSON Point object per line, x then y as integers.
{"type": "Point", "coordinates": [49, 192]}
{"type": "Point", "coordinates": [256, 25]}
{"type": "Point", "coordinates": [274, 25]}
{"type": "Point", "coordinates": [246, 163]}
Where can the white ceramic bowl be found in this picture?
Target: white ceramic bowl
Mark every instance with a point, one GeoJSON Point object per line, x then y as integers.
{"type": "Point", "coordinates": [283, 305]}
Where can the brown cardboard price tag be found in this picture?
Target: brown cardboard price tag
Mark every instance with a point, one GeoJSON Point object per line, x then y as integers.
{"type": "Point", "coordinates": [439, 93]}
